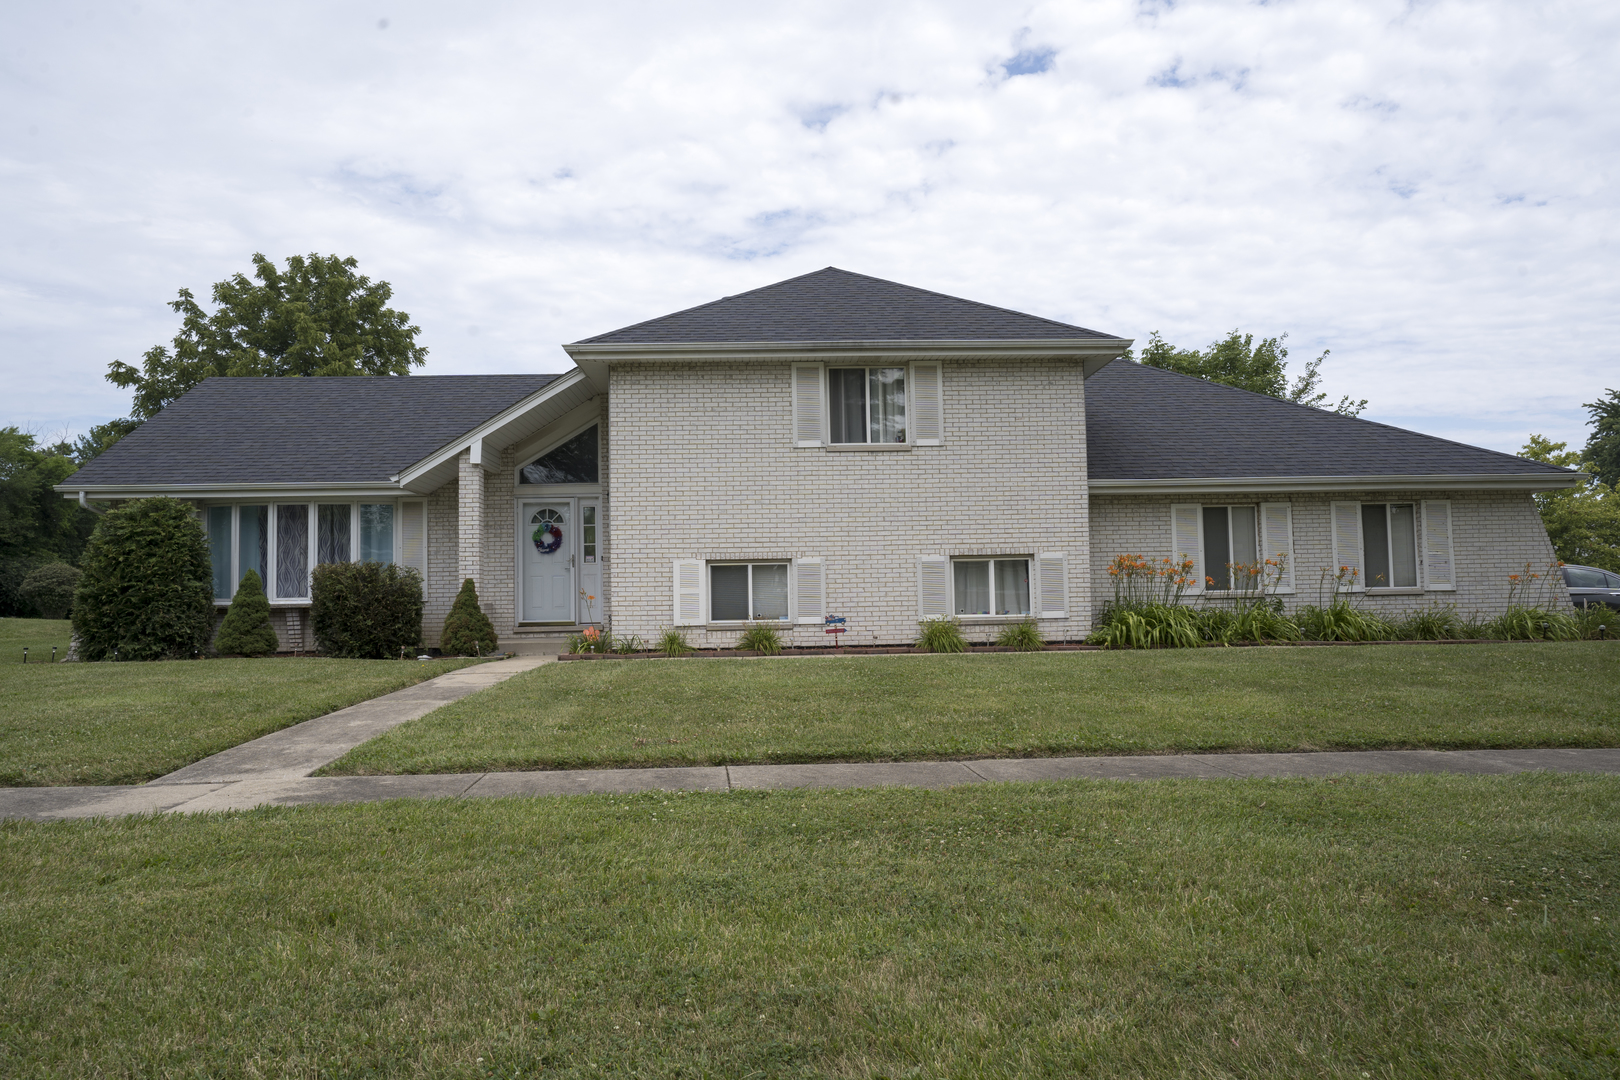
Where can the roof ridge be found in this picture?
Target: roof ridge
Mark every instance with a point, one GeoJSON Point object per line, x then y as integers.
{"type": "Point", "coordinates": [1341, 416]}
{"type": "Point", "coordinates": [958, 299]}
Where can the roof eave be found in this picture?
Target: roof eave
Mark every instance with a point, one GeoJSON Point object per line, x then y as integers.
{"type": "Point", "coordinates": [1360, 482]}
{"type": "Point", "coordinates": [594, 357]}
{"type": "Point", "coordinates": [102, 492]}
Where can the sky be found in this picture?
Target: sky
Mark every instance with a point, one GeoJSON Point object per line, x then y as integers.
{"type": "Point", "coordinates": [1425, 189]}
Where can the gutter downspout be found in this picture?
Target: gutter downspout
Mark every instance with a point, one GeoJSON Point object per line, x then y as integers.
{"type": "Point", "coordinates": [85, 505]}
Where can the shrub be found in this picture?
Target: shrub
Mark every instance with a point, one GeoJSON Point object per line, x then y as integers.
{"type": "Point", "coordinates": [1023, 636]}
{"type": "Point", "coordinates": [1521, 623]}
{"type": "Point", "coordinates": [13, 604]}
{"type": "Point", "coordinates": [672, 642]}
{"type": "Point", "coordinates": [50, 589]}
{"type": "Point", "coordinates": [1147, 626]}
{"type": "Point", "coordinates": [941, 634]}
{"type": "Point", "coordinates": [1437, 622]}
{"type": "Point", "coordinates": [761, 638]}
{"type": "Point", "coordinates": [147, 591]}
{"type": "Point", "coordinates": [1597, 621]}
{"type": "Point", "coordinates": [246, 630]}
{"type": "Point", "coordinates": [1340, 621]}
{"type": "Point", "coordinates": [366, 610]}
{"type": "Point", "coordinates": [467, 630]}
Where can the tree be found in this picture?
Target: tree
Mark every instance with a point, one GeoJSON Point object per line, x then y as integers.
{"type": "Point", "coordinates": [1582, 523]}
{"type": "Point", "coordinates": [35, 521]}
{"type": "Point", "coordinates": [50, 589]}
{"type": "Point", "coordinates": [1238, 361]}
{"type": "Point", "coordinates": [467, 630]}
{"type": "Point", "coordinates": [148, 587]}
{"type": "Point", "coordinates": [1602, 451]}
{"type": "Point", "coordinates": [316, 317]}
{"type": "Point", "coordinates": [88, 447]}
{"type": "Point", "coordinates": [246, 630]}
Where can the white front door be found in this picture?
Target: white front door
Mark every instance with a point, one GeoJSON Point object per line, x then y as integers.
{"type": "Point", "coordinates": [547, 539]}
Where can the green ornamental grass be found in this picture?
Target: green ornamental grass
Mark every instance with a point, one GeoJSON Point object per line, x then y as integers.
{"type": "Point", "coordinates": [762, 638]}
{"type": "Point", "coordinates": [941, 634]}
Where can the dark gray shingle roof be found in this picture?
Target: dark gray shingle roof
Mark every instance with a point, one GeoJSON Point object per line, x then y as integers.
{"type": "Point", "coordinates": [836, 305]}
{"type": "Point", "coordinates": [1145, 423]}
{"type": "Point", "coordinates": [355, 429]}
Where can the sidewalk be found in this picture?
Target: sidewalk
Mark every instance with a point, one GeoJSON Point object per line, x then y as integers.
{"type": "Point", "coordinates": [226, 789]}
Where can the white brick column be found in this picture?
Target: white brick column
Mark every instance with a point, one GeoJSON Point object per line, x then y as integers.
{"type": "Point", "coordinates": [470, 534]}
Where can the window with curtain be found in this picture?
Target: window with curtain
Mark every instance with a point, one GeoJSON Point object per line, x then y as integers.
{"type": "Point", "coordinates": [990, 586]}
{"type": "Point", "coordinates": [866, 405]}
{"type": "Point", "coordinates": [376, 532]}
{"type": "Point", "coordinates": [292, 551]}
{"type": "Point", "coordinates": [331, 533]}
{"type": "Point", "coordinates": [748, 592]}
{"type": "Point", "coordinates": [219, 551]}
{"type": "Point", "coordinates": [1231, 547]}
{"type": "Point", "coordinates": [1389, 542]}
{"type": "Point", "coordinates": [243, 538]}
{"type": "Point", "coordinates": [253, 544]}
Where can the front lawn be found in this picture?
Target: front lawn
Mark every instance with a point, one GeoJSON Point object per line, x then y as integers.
{"type": "Point", "coordinates": [690, 712]}
{"type": "Point", "coordinates": [38, 635]}
{"type": "Point", "coordinates": [131, 722]}
{"type": "Point", "coordinates": [1373, 926]}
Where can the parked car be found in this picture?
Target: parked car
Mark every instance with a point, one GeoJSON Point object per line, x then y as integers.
{"type": "Point", "coordinates": [1589, 585]}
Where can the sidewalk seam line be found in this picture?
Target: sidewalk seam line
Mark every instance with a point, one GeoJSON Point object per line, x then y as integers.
{"type": "Point", "coordinates": [969, 767]}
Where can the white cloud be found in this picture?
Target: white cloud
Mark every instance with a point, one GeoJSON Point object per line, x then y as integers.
{"type": "Point", "coordinates": [1423, 188]}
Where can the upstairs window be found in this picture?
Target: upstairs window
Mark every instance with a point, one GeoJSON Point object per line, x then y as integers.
{"type": "Point", "coordinates": [866, 405]}
{"type": "Point", "coordinates": [576, 461]}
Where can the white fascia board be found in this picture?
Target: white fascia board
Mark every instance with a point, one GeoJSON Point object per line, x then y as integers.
{"type": "Point", "coordinates": [1283, 484]}
{"type": "Point", "coordinates": [488, 430]}
{"type": "Point", "coordinates": [272, 492]}
{"type": "Point", "coordinates": [1092, 353]}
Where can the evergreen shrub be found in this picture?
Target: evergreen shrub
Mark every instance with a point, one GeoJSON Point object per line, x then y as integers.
{"type": "Point", "coordinates": [246, 630]}
{"type": "Point", "coordinates": [147, 589]}
{"type": "Point", "coordinates": [467, 630]}
{"type": "Point", "coordinates": [366, 610]}
{"type": "Point", "coordinates": [50, 589]}
{"type": "Point", "coordinates": [13, 572]}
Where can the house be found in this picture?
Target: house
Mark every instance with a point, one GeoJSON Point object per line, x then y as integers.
{"type": "Point", "coordinates": [830, 445]}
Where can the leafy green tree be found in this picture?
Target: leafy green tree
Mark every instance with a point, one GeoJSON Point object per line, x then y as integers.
{"type": "Point", "coordinates": [467, 630]}
{"type": "Point", "coordinates": [246, 630]}
{"type": "Point", "coordinates": [99, 439]}
{"type": "Point", "coordinates": [147, 592]}
{"type": "Point", "coordinates": [1582, 523]}
{"type": "Point", "coordinates": [50, 588]}
{"type": "Point", "coordinates": [1602, 451]}
{"type": "Point", "coordinates": [318, 316]}
{"type": "Point", "coordinates": [35, 521]}
{"type": "Point", "coordinates": [1238, 361]}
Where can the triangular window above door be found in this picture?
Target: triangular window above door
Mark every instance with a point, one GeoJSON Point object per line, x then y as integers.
{"type": "Point", "coordinates": [574, 462]}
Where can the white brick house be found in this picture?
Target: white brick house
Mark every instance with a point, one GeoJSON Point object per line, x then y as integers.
{"type": "Point", "coordinates": [831, 445]}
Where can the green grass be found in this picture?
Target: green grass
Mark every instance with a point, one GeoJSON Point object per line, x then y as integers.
{"type": "Point", "coordinates": [1375, 926]}
{"type": "Point", "coordinates": [127, 723]}
{"type": "Point", "coordinates": [38, 635]}
{"type": "Point", "coordinates": [655, 712]}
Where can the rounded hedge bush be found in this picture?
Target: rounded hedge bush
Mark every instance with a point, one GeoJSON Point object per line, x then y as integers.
{"type": "Point", "coordinates": [367, 610]}
{"type": "Point", "coordinates": [147, 591]}
{"type": "Point", "coordinates": [50, 589]}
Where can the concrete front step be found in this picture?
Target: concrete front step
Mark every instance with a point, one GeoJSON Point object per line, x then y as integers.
{"type": "Point", "coordinates": [540, 644]}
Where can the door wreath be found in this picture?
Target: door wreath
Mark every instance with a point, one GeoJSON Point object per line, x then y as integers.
{"type": "Point", "coordinates": [548, 535]}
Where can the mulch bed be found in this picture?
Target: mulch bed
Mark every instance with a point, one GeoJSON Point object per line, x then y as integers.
{"type": "Point", "coordinates": [906, 650]}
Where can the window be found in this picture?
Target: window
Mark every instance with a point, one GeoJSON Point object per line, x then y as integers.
{"type": "Point", "coordinates": [1231, 541]}
{"type": "Point", "coordinates": [587, 541]}
{"type": "Point", "coordinates": [574, 462]}
{"type": "Point", "coordinates": [1389, 538]}
{"type": "Point", "coordinates": [866, 405]}
{"type": "Point", "coordinates": [280, 542]}
{"type": "Point", "coordinates": [990, 586]}
{"type": "Point", "coordinates": [744, 592]}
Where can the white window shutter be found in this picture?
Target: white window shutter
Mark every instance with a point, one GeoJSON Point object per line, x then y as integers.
{"type": "Point", "coordinates": [927, 404]}
{"type": "Point", "coordinates": [1277, 541]}
{"type": "Point", "coordinates": [1439, 573]}
{"type": "Point", "coordinates": [1347, 543]}
{"type": "Point", "coordinates": [810, 589]}
{"type": "Point", "coordinates": [413, 536]}
{"type": "Point", "coordinates": [808, 411]}
{"type": "Point", "coordinates": [688, 592]}
{"type": "Point", "coordinates": [1051, 585]}
{"type": "Point", "coordinates": [1187, 540]}
{"type": "Point", "coordinates": [933, 586]}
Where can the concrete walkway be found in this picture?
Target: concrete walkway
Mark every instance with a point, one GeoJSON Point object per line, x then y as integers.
{"type": "Point", "coordinates": [247, 791]}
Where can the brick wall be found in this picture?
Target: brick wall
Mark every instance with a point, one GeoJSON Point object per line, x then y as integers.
{"type": "Point", "coordinates": [704, 467]}
{"type": "Point", "coordinates": [1493, 534]}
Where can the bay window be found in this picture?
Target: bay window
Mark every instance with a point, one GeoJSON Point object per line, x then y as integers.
{"type": "Point", "coordinates": [281, 542]}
